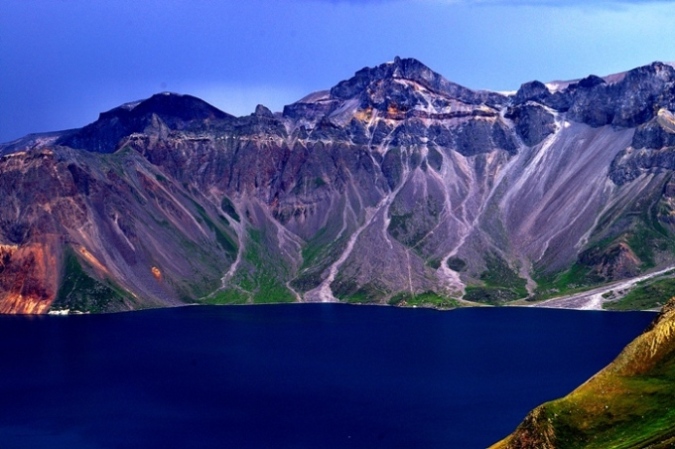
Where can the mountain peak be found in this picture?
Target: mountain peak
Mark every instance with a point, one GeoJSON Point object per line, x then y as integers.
{"type": "Point", "coordinates": [178, 106]}
{"type": "Point", "coordinates": [412, 70]}
{"type": "Point", "coordinates": [409, 68]}
{"type": "Point", "coordinates": [176, 111]}
{"type": "Point", "coordinates": [406, 68]}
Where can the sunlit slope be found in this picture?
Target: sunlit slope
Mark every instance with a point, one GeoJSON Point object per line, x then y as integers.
{"type": "Point", "coordinates": [629, 404]}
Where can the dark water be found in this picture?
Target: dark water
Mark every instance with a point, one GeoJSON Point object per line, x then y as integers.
{"type": "Point", "coordinates": [293, 376]}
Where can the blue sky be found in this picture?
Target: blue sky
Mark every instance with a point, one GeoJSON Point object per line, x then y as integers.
{"type": "Point", "coordinates": [64, 61]}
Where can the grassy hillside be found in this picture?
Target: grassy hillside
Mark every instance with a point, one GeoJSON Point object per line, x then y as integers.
{"type": "Point", "coordinates": [629, 404]}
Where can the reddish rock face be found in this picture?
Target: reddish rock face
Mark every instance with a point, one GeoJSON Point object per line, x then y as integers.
{"type": "Point", "coordinates": [28, 278]}
{"type": "Point", "coordinates": [377, 188]}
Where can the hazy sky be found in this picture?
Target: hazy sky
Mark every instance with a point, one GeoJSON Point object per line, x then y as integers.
{"type": "Point", "coordinates": [64, 61]}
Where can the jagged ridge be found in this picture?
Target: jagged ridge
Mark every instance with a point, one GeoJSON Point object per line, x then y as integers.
{"type": "Point", "coordinates": [394, 186]}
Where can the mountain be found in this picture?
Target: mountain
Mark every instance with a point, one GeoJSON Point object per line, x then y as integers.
{"type": "Point", "coordinates": [395, 186]}
{"type": "Point", "coordinates": [626, 405]}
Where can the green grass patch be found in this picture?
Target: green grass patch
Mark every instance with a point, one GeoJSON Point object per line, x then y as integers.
{"type": "Point", "coordinates": [315, 247]}
{"type": "Point", "coordinates": [307, 280]}
{"type": "Point", "coordinates": [229, 296]}
{"type": "Point", "coordinates": [573, 280]}
{"type": "Point", "coordinates": [490, 295]}
{"type": "Point", "coordinates": [321, 248]}
{"type": "Point", "coordinates": [645, 241]}
{"type": "Point", "coordinates": [434, 263]}
{"type": "Point", "coordinates": [398, 228]}
{"type": "Point", "coordinates": [227, 207]}
{"type": "Point", "coordinates": [500, 274]}
{"type": "Point", "coordinates": [260, 275]}
{"type": "Point", "coordinates": [627, 405]}
{"type": "Point", "coordinates": [411, 227]}
{"type": "Point", "coordinates": [426, 299]}
{"type": "Point", "coordinates": [502, 283]}
{"type": "Point", "coordinates": [434, 158]}
{"type": "Point", "coordinates": [360, 296]}
{"type": "Point", "coordinates": [645, 296]}
{"type": "Point", "coordinates": [644, 233]}
{"type": "Point", "coordinates": [317, 255]}
{"type": "Point", "coordinates": [625, 413]}
{"type": "Point", "coordinates": [223, 240]}
{"type": "Point", "coordinates": [456, 264]}
{"type": "Point", "coordinates": [80, 291]}
{"type": "Point", "coordinates": [270, 290]}
{"type": "Point", "coordinates": [349, 291]}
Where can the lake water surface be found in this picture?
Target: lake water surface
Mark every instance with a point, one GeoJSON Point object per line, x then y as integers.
{"type": "Point", "coordinates": [293, 376]}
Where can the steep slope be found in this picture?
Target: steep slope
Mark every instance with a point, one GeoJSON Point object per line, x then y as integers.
{"type": "Point", "coordinates": [106, 233]}
{"type": "Point", "coordinates": [626, 405]}
{"type": "Point", "coordinates": [393, 186]}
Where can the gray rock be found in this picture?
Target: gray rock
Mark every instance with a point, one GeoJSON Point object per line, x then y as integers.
{"type": "Point", "coordinates": [533, 122]}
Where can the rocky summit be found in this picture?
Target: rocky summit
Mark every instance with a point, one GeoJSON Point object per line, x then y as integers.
{"type": "Point", "coordinates": [395, 186]}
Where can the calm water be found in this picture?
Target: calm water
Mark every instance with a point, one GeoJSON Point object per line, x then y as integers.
{"type": "Point", "coordinates": [293, 376]}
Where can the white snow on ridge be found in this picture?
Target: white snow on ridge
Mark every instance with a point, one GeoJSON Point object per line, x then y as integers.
{"type": "Point", "coordinates": [315, 97]}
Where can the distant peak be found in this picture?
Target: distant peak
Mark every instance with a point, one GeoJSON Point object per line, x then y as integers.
{"type": "Point", "coordinates": [262, 111]}
{"type": "Point", "coordinates": [179, 106]}
{"type": "Point", "coordinates": [175, 111]}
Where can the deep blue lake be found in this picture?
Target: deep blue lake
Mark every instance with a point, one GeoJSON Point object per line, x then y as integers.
{"type": "Point", "coordinates": [293, 376]}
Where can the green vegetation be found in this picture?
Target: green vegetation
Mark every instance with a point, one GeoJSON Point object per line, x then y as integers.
{"type": "Point", "coordinates": [643, 231]}
{"type": "Point", "coordinates": [161, 178]}
{"type": "Point", "coordinates": [360, 296]}
{"type": "Point", "coordinates": [80, 291]}
{"type": "Point", "coordinates": [307, 280]}
{"type": "Point", "coordinates": [645, 296]}
{"type": "Point", "coordinates": [644, 240]}
{"type": "Point", "coordinates": [575, 279]}
{"type": "Point", "coordinates": [227, 207]}
{"type": "Point", "coordinates": [315, 247]}
{"type": "Point", "coordinates": [426, 299]}
{"type": "Point", "coordinates": [434, 158]}
{"type": "Point", "coordinates": [490, 295]}
{"type": "Point", "coordinates": [229, 296]}
{"type": "Point", "coordinates": [224, 240]}
{"type": "Point", "coordinates": [583, 276]}
{"type": "Point", "coordinates": [456, 264]}
{"type": "Point", "coordinates": [434, 263]}
{"type": "Point", "coordinates": [411, 227]}
{"type": "Point", "coordinates": [631, 412]}
{"type": "Point", "coordinates": [270, 290]}
{"type": "Point", "coordinates": [401, 225]}
{"type": "Point", "coordinates": [650, 235]}
{"type": "Point", "coordinates": [348, 290]}
{"type": "Point", "coordinates": [627, 405]}
{"type": "Point", "coordinates": [317, 254]}
{"type": "Point", "coordinates": [502, 283]}
{"type": "Point", "coordinates": [258, 278]}
{"type": "Point", "coordinates": [500, 274]}
{"type": "Point", "coordinates": [266, 286]}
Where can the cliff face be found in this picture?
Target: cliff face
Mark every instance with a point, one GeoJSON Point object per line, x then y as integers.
{"type": "Point", "coordinates": [394, 186]}
{"type": "Point", "coordinates": [626, 405]}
